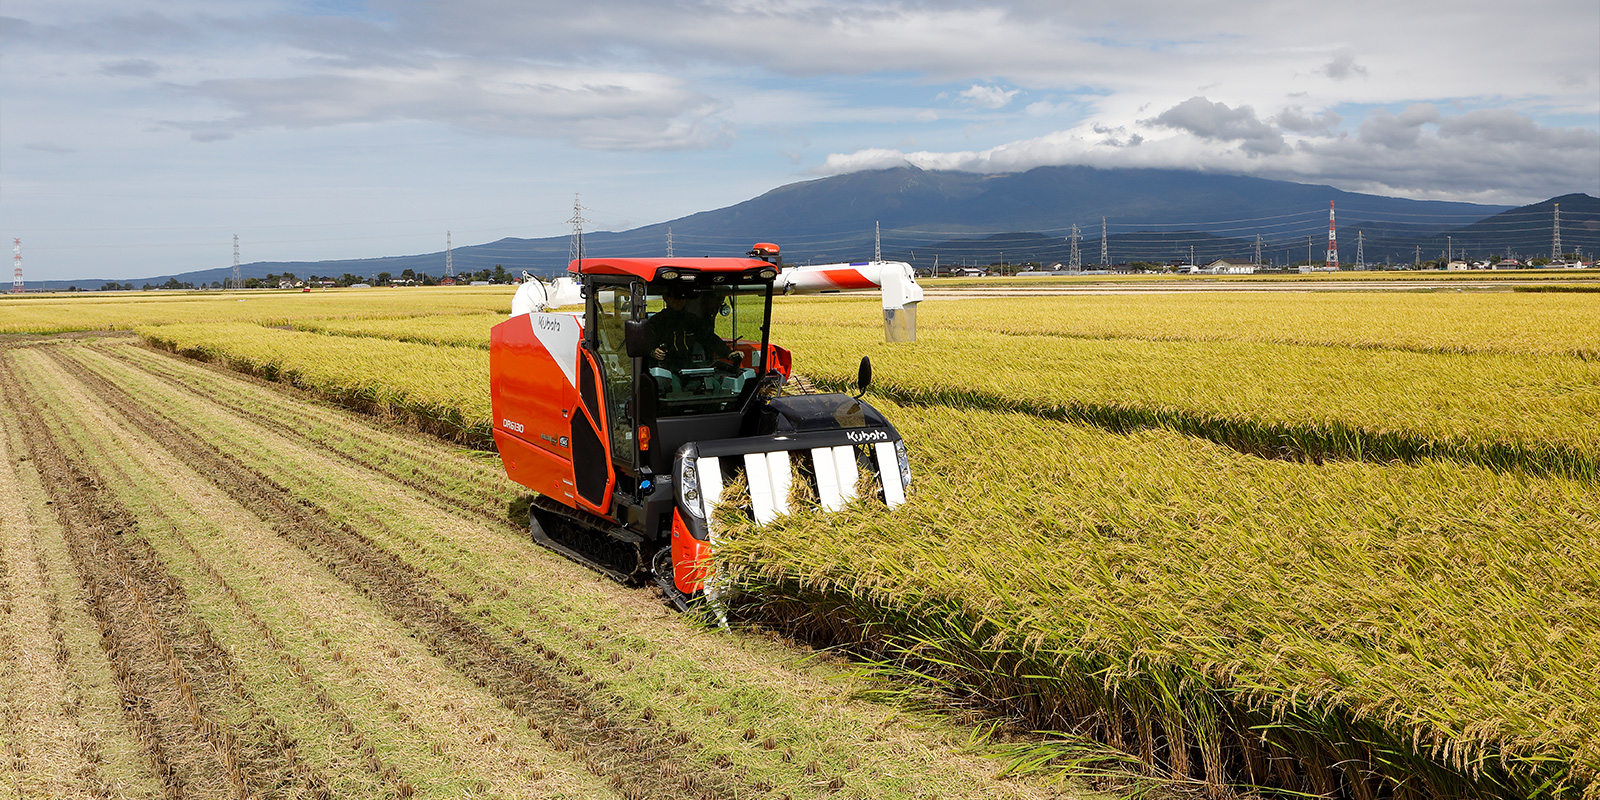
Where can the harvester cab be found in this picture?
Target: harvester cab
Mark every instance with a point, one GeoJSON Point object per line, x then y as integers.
{"type": "Point", "coordinates": [632, 418]}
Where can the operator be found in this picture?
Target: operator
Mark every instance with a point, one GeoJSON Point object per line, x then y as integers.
{"type": "Point", "coordinates": [674, 332]}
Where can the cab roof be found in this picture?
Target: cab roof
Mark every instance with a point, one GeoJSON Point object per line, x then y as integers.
{"type": "Point", "coordinates": [649, 268]}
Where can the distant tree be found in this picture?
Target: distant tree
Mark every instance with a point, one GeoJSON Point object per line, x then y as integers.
{"type": "Point", "coordinates": [408, 274]}
{"type": "Point", "coordinates": [288, 276]}
{"type": "Point", "coordinates": [499, 274]}
{"type": "Point", "coordinates": [148, 287]}
{"type": "Point", "coordinates": [384, 278]}
{"type": "Point", "coordinates": [347, 279]}
{"type": "Point", "coordinates": [172, 283]}
{"type": "Point", "coordinates": [481, 275]}
{"type": "Point", "coordinates": [110, 287]}
{"type": "Point", "coordinates": [214, 285]}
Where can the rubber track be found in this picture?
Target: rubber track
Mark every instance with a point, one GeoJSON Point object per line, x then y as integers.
{"type": "Point", "coordinates": [175, 679]}
{"type": "Point", "coordinates": [643, 758]}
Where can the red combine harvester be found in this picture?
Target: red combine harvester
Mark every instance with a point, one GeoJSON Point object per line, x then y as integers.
{"type": "Point", "coordinates": [630, 417]}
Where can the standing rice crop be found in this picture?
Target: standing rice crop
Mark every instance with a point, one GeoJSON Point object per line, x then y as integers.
{"type": "Point", "coordinates": [1426, 631]}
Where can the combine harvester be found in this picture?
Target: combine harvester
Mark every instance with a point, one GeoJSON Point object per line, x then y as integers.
{"type": "Point", "coordinates": [630, 417]}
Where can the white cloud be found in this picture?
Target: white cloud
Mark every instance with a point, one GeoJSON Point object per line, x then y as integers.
{"type": "Point", "coordinates": [990, 97]}
{"type": "Point", "coordinates": [605, 110]}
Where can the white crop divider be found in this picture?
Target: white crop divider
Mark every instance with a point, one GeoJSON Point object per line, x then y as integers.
{"type": "Point", "coordinates": [894, 492]}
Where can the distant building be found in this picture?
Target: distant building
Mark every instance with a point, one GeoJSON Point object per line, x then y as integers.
{"type": "Point", "coordinates": [1225, 266]}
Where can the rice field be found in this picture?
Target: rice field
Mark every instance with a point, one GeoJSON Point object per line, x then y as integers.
{"type": "Point", "coordinates": [1338, 545]}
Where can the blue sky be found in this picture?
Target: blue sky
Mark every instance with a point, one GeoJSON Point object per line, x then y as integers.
{"type": "Point", "coordinates": [138, 136]}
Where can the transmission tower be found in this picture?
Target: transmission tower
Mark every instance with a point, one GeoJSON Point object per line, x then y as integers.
{"type": "Point", "coordinates": [1555, 236]}
{"type": "Point", "coordinates": [669, 242]}
{"type": "Point", "coordinates": [449, 264]}
{"type": "Point", "coordinates": [1333, 241]}
{"type": "Point", "coordinates": [1361, 255]}
{"type": "Point", "coordinates": [877, 241]}
{"type": "Point", "coordinates": [1257, 260]}
{"type": "Point", "coordinates": [16, 273]}
{"type": "Point", "coordinates": [237, 284]}
{"type": "Point", "coordinates": [1076, 263]}
{"type": "Point", "coordinates": [1105, 261]}
{"type": "Point", "coordinates": [575, 252]}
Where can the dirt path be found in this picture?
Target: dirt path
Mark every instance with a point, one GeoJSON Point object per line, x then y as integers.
{"type": "Point", "coordinates": [294, 602]}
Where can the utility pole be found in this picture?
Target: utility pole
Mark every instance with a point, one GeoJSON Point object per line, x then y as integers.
{"type": "Point", "coordinates": [1309, 262]}
{"type": "Point", "coordinates": [1332, 262]}
{"type": "Point", "coordinates": [1555, 236]}
{"type": "Point", "coordinates": [237, 284]}
{"type": "Point", "coordinates": [17, 287]}
{"type": "Point", "coordinates": [1449, 251]}
{"type": "Point", "coordinates": [575, 253]}
{"type": "Point", "coordinates": [1416, 260]}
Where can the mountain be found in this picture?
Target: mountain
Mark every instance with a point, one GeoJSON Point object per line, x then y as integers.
{"type": "Point", "coordinates": [1151, 215]}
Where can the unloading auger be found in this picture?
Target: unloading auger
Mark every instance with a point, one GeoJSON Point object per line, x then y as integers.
{"type": "Point", "coordinates": [631, 417]}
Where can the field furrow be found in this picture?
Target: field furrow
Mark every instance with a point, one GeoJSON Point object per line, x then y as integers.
{"type": "Point", "coordinates": [201, 729]}
{"type": "Point", "coordinates": [371, 712]}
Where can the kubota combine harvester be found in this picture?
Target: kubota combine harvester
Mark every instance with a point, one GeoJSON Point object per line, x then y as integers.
{"type": "Point", "coordinates": [631, 417]}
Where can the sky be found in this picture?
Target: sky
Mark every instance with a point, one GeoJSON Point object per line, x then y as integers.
{"type": "Point", "coordinates": [138, 137]}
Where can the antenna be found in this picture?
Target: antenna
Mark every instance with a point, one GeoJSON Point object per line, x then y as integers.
{"type": "Point", "coordinates": [669, 241]}
{"type": "Point", "coordinates": [1076, 264]}
{"type": "Point", "coordinates": [1104, 260]}
{"type": "Point", "coordinates": [1333, 241]}
{"type": "Point", "coordinates": [237, 284]}
{"type": "Point", "coordinates": [877, 241]}
{"type": "Point", "coordinates": [16, 274]}
{"type": "Point", "coordinates": [575, 253]}
{"type": "Point", "coordinates": [1555, 236]}
{"type": "Point", "coordinates": [449, 265]}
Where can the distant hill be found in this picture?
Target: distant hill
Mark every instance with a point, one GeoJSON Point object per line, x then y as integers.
{"type": "Point", "coordinates": [1151, 215]}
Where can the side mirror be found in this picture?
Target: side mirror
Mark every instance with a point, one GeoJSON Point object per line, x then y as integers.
{"type": "Point", "coordinates": [863, 376]}
{"type": "Point", "coordinates": [635, 338]}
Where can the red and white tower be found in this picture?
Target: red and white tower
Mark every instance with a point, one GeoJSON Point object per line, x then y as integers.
{"type": "Point", "coordinates": [16, 274]}
{"type": "Point", "coordinates": [1333, 240]}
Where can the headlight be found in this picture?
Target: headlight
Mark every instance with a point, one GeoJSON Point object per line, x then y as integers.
{"type": "Point", "coordinates": [689, 487]}
{"type": "Point", "coordinates": [905, 463]}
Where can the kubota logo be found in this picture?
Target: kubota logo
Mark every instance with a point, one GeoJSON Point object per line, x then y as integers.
{"type": "Point", "coordinates": [879, 435]}
{"type": "Point", "coordinates": [549, 323]}
{"type": "Point", "coordinates": [511, 426]}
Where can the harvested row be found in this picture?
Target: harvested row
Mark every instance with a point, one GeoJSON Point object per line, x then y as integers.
{"type": "Point", "coordinates": [377, 712]}
{"type": "Point", "coordinates": [733, 715]}
{"type": "Point", "coordinates": [1427, 631]}
{"type": "Point", "coordinates": [62, 728]}
{"type": "Point", "coordinates": [205, 735]}
{"type": "Point", "coordinates": [1431, 322]}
